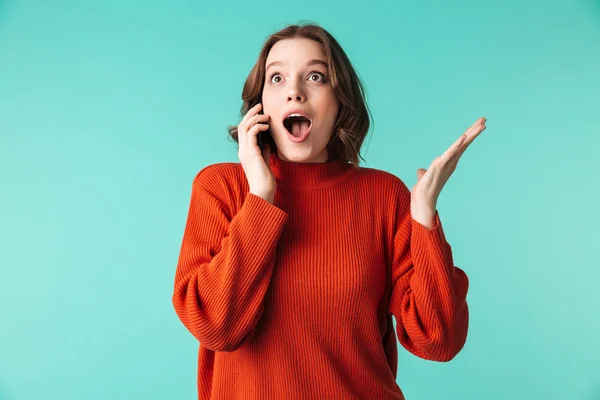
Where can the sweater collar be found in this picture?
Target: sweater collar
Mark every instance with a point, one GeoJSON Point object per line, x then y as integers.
{"type": "Point", "coordinates": [299, 176]}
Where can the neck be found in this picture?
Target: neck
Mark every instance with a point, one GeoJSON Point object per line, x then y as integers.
{"type": "Point", "coordinates": [319, 158]}
{"type": "Point", "coordinates": [301, 176]}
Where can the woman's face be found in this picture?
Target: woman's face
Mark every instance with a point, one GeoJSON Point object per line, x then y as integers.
{"type": "Point", "coordinates": [297, 79]}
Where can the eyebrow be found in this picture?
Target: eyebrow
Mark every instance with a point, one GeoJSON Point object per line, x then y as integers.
{"type": "Point", "coordinates": [311, 62]}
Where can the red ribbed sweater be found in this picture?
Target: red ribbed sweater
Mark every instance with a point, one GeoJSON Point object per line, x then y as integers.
{"type": "Point", "coordinates": [294, 300]}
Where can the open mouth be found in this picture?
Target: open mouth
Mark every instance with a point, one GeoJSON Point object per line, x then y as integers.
{"type": "Point", "coordinates": [297, 125]}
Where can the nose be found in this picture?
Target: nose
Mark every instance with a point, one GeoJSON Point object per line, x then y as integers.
{"type": "Point", "coordinates": [298, 97]}
{"type": "Point", "coordinates": [295, 93]}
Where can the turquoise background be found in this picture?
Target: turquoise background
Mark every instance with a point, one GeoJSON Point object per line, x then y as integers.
{"type": "Point", "coordinates": [109, 109]}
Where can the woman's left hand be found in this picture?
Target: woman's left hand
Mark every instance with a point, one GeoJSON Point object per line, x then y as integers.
{"type": "Point", "coordinates": [430, 182]}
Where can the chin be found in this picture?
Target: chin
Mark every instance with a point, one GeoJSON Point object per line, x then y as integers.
{"type": "Point", "coordinates": [305, 152]}
{"type": "Point", "coordinates": [295, 155]}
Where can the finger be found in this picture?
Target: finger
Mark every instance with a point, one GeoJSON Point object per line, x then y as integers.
{"type": "Point", "coordinates": [460, 145]}
{"type": "Point", "coordinates": [253, 132]}
{"type": "Point", "coordinates": [469, 141]}
{"type": "Point", "coordinates": [247, 123]}
{"type": "Point", "coordinates": [241, 134]}
{"type": "Point", "coordinates": [472, 136]}
{"type": "Point", "coordinates": [251, 112]}
{"type": "Point", "coordinates": [257, 128]}
{"type": "Point", "coordinates": [475, 129]}
{"type": "Point", "coordinates": [454, 148]}
{"type": "Point", "coordinates": [244, 128]}
{"type": "Point", "coordinates": [255, 119]}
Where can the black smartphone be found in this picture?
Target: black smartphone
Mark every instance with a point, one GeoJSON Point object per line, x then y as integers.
{"type": "Point", "coordinates": [264, 138]}
{"type": "Point", "coordinates": [261, 140]}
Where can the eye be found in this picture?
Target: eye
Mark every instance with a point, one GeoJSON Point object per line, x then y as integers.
{"type": "Point", "coordinates": [315, 73]}
{"type": "Point", "coordinates": [273, 75]}
{"type": "Point", "coordinates": [323, 77]}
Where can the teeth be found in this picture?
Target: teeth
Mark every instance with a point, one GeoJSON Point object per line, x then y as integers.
{"type": "Point", "coordinates": [295, 115]}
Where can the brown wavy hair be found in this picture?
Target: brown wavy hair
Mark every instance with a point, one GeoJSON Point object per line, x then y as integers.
{"type": "Point", "coordinates": [353, 119]}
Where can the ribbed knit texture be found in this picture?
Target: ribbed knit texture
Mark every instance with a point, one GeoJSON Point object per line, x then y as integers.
{"type": "Point", "coordinates": [294, 300]}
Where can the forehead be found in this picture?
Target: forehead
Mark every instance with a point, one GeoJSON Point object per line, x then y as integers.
{"type": "Point", "coordinates": [295, 52]}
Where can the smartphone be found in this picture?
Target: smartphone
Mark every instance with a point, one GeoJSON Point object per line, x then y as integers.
{"type": "Point", "coordinates": [264, 138]}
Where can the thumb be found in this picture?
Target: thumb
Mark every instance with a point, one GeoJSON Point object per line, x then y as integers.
{"type": "Point", "coordinates": [420, 173]}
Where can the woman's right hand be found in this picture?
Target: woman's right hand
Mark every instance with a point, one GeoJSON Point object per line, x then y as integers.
{"type": "Point", "coordinates": [254, 161]}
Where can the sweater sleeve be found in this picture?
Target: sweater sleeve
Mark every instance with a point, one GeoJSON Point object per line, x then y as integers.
{"type": "Point", "coordinates": [225, 264]}
{"type": "Point", "coordinates": [429, 293]}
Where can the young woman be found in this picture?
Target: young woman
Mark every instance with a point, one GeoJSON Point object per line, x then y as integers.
{"type": "Point", "coordinates": [294, 260]}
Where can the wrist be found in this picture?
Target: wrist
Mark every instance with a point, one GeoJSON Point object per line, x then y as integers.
{"type": "Point", "coordinates": [265, 195]}
{"type": "Point", "coordinates": [425, 216]}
